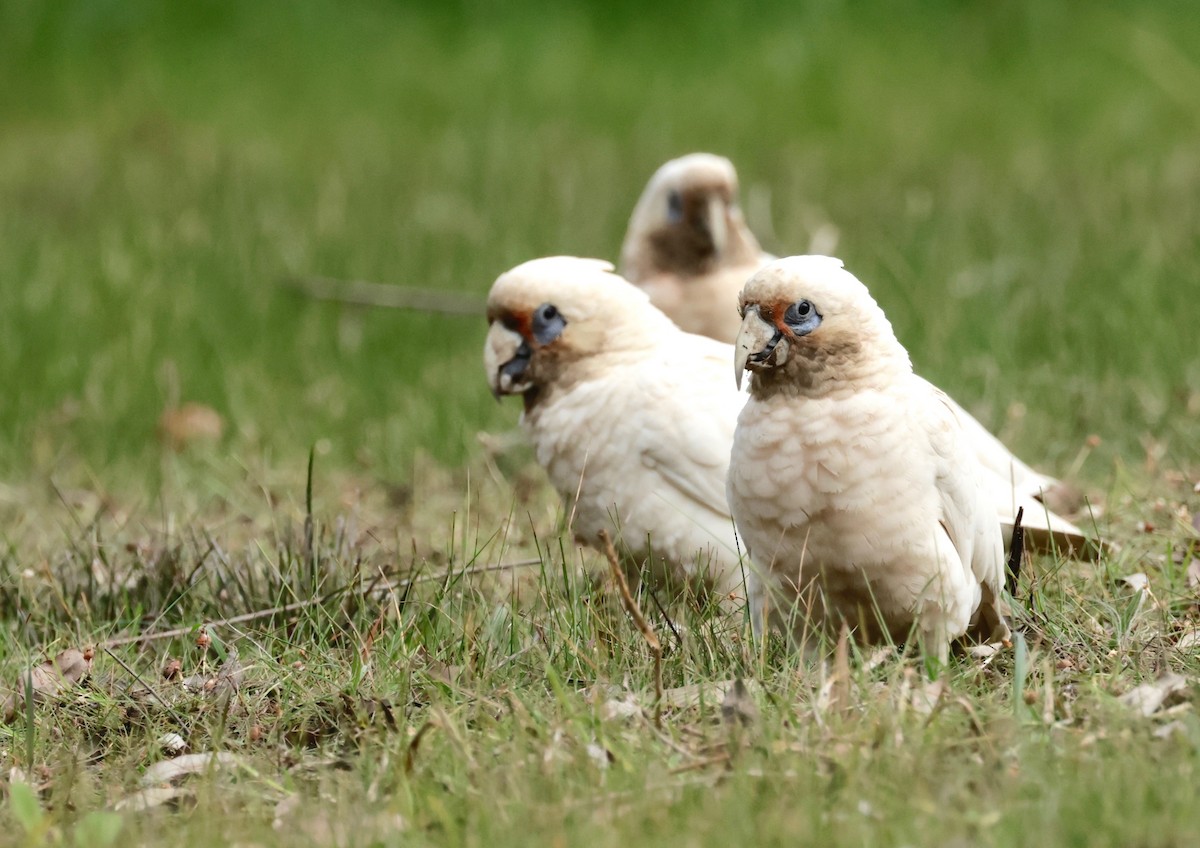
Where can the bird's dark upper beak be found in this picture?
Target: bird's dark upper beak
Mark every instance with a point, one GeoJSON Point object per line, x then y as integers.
{"type": "Point", "coordinates": [512, 373]}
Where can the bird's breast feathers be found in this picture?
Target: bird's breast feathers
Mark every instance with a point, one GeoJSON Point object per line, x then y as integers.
{"type": "Point", "coordinates": [797, 477]}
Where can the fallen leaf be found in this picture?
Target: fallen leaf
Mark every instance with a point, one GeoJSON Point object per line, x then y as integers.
{"type": "Point", "coordinates": [624, 707]}
{"type": "Point", "coordinates": [149, 798]}
{"type": "Point", "coordinates": [1138, 582]}
{"type": "Point", "coordinates": [172, 743]}
{"type": "Point", "coordinates": [48, 679]}
{"type": "Point", "coordinates": [1172, 728]}
{"type": "Point", "coordinates": [599, 755]}
{"type": "Point", "coordinates": [227, 679]}
{"type": "Point", "coordinates": [169, 771]}
{"type": "Point", "coordinates": [878, 657]}
{"type": "Point", "coordinates": [738, 708]}
{"type": "Point", "coordinates": [447, 674]}
{"type": "Point", "coordinates": [985, 653]}
{"type": "Point", "coordinates": [1188, 640]}
{"type": "Point", "coordinates": [1149, 697]}
{"type": "Point", "coordinates": [695, 694]}
{"type": "Point", "coordinates": [181, 426]}
{"type": "Point", "coordinates": [1193, 574]}
{"type": "Point", "coordinates": [296, 814]}
{"type": "Point", "coordinates": [926, 696]}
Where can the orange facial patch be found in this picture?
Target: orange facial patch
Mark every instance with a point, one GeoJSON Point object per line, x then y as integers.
{"type": "Point", "coordinates": [519, 320]}
{"type": "Point", "coordinates": [772, 312]}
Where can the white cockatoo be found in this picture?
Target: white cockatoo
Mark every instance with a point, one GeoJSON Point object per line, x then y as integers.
{"type": "Point", "coordinates": [631, 417]}
{"type": "Point", "coordinates": [853, 482]}
{"type": "Point", "coordinates": [690, 249]}
{"type": "Point", "coordinates": [688, 245]}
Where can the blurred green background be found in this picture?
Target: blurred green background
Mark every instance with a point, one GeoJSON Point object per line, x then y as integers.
{"type": "Point", "coordinates": [1019, 183]}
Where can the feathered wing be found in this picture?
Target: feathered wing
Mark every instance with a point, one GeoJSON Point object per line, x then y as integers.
{"type": "Point", "coordinates": [967, 511]}
{"type": "Point", "coordinates": [1010, 484]}
{"type": "Point", "coordinates": [692, 408]}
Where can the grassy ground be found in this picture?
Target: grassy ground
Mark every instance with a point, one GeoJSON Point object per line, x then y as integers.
{"type": "Point", "coordinates": [1019, 184]}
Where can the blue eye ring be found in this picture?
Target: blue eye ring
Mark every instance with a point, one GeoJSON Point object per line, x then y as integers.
{"type": "Point", "coordinates": [802, 318]}
{"type": "Point", "coordinates": [548, 324]}
{"type": "Point", "coordinates": [798, 312]}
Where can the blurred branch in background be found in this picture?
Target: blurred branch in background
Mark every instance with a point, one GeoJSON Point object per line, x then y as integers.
{"type": "Point", "coordinates": [362, 293]}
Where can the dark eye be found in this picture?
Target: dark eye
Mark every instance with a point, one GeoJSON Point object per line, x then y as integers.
{"type": "Point", "coordinates": [674, 207]}
{"type": "Point", "coordinates": [548, 323]}
{"type": "Point", "coordinates": [797, 312]}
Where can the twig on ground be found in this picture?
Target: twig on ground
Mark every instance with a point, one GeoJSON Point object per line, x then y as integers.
{"type": "Point", "coordinates": [286, 609]}
{"type": "Point", "coordinates": [362, 293]}
{"type": "Point", "coordinates": [670, 624]}
{"type": "Point", "coordinates": [635, 613]}
{"type": "Point", "coordinates": [1015, 552]}
{"type": "Point", "coordinates": [153, 692]}
{"type": "Point", "coordinates": [722, 759]}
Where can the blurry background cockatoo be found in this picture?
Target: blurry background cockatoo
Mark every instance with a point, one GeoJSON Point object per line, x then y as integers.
{"type": "Point", "coordinates": [688, 245]}
{"type": "Point", "coordinates": [853, 482]}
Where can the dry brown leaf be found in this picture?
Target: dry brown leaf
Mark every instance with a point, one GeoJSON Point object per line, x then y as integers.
{"type": "Point", "coordinates": [1149, 697]}
{"type": "Point", "coordinates": [181, 426]}
{"type": "Point", "coordinates": [48, 679]}
{"type": "Point", "coordinates": [739, 708]}
{"type": "Point", "coordinates": [170, 771]}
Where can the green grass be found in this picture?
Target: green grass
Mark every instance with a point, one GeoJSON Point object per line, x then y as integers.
{"type": "Point", "coordinates": [1019, 184]}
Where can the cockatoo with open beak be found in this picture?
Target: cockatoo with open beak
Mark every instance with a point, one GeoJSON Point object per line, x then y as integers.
{"type": "Point", "coordinates": [631, 417]}
{"type": "Point", "coordinates": [688, 246]}
{"type": "Point", "coordinates": [690, 249]}
{"type": "Point", "coordinates": [853, 482]}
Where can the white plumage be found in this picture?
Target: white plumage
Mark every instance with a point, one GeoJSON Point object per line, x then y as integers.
{"type": "Point", "coordinates": [688, 246]}
{"type": "Point", "coordinates": [853, 482]}
{"type": "Point", "coordinates": [624, 410]}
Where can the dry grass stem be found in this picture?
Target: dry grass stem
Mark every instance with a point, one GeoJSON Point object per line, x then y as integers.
{"type": "Point", "coordinates": [644, 626]}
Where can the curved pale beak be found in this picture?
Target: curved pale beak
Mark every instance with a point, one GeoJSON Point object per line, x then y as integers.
{"type": "Point", "coordinates": [759, 345]}
{"type": "Point", "coordinates": [506, 359]}
{"type": "Point", "coordinates": [718, 227]}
